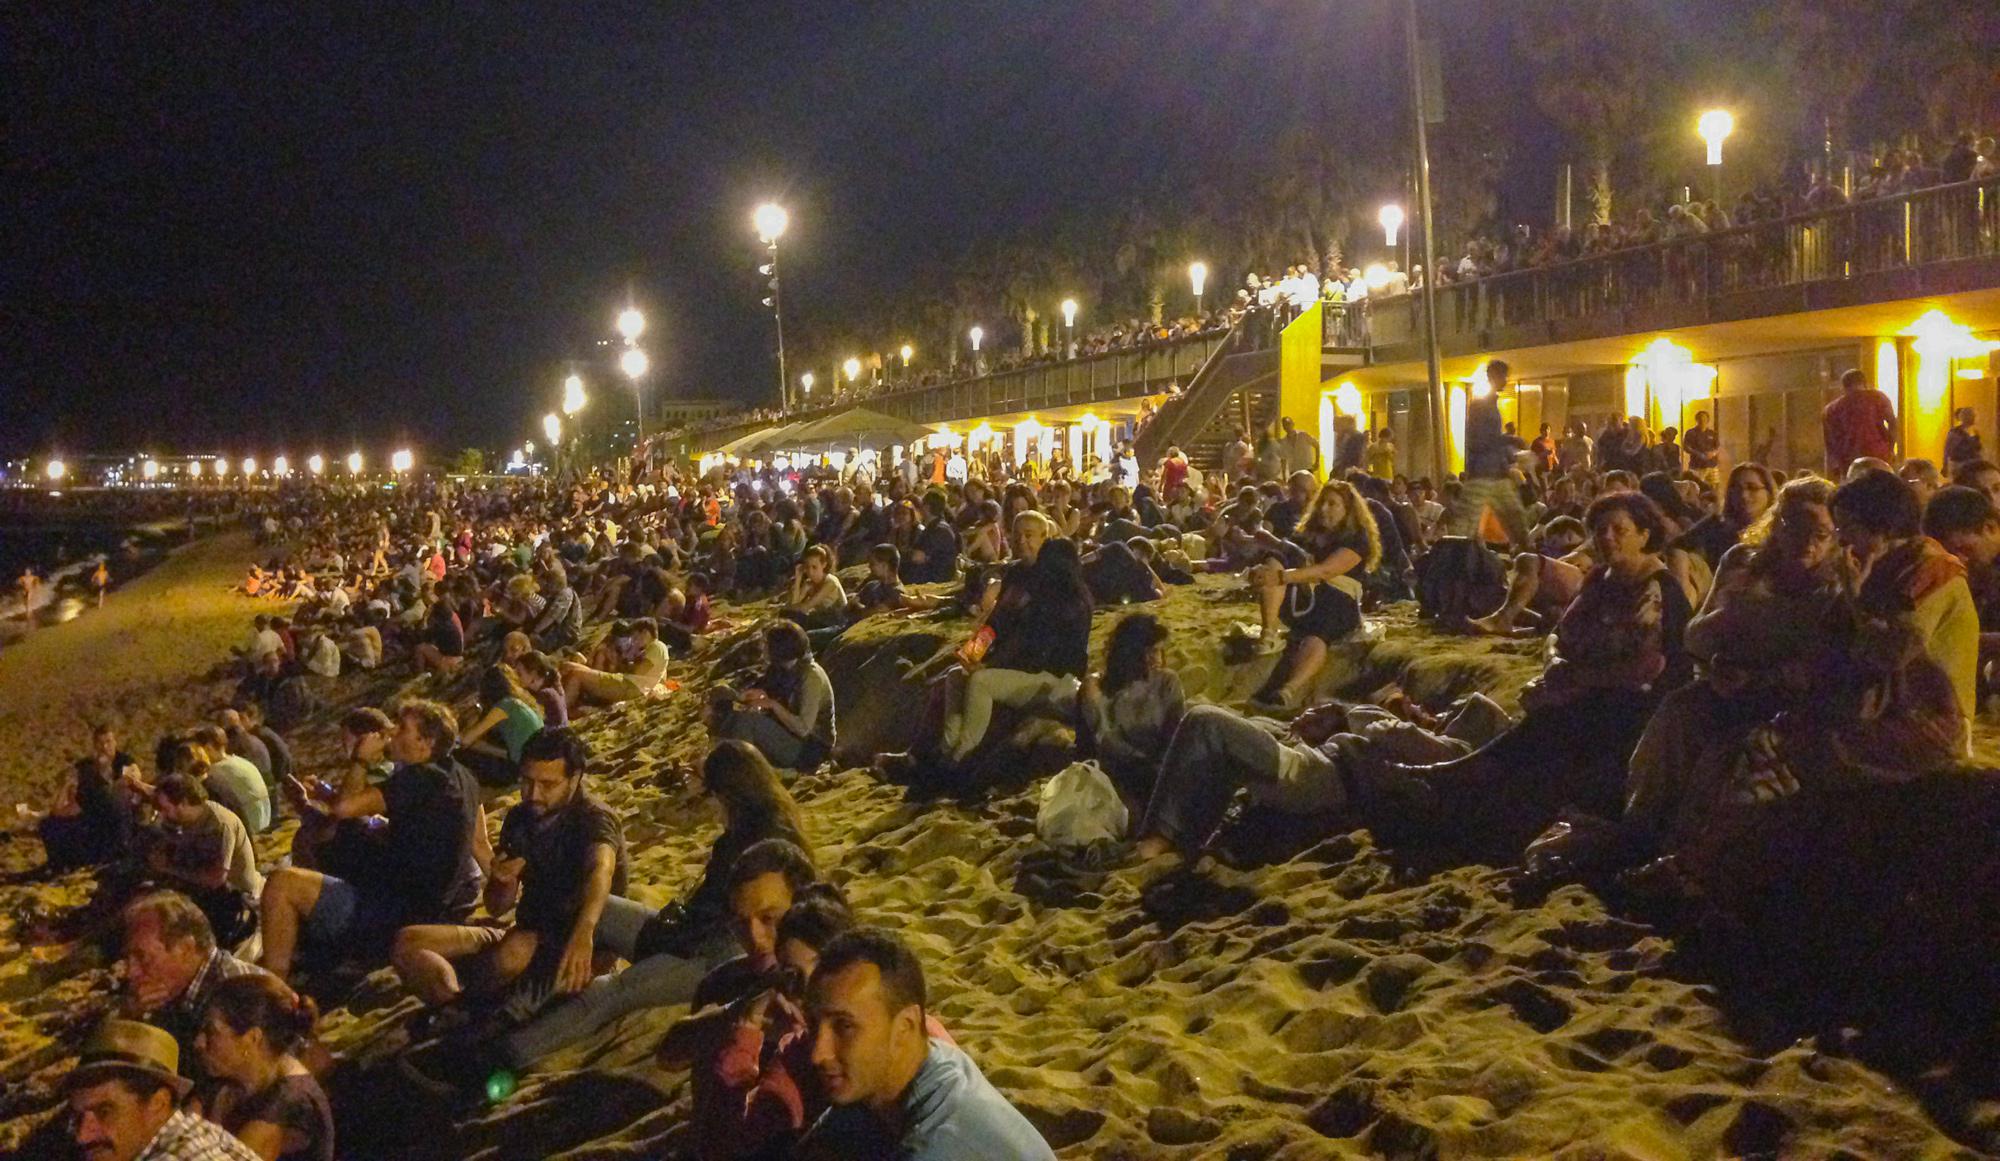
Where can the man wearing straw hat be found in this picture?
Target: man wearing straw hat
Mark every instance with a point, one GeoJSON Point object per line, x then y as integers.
{"type": "Point", "coordinates": [124, 1101]}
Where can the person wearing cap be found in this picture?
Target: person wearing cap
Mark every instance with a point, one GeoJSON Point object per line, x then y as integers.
{"type": "Point", "coordinates": [124, 1100]}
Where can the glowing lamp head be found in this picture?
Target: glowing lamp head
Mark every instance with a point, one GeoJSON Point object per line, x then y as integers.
{"type": "Point", "coordinates": [573, 397]}
{"type": "Point", "coordinates": [281, 466]}
{"type": "Point", "coordinates": [1391, 218]}
{"type": "Point", "coordinates": [1198, 276]}
{"type": "Point", "coordinates": [1069, 312]}
{"type": "Point", "coordinates": [194, 469]}
{"type": "Point", "coordinates": [1377, 276]}
{"type": "Point", "coordinates": [771, 220]}
{"type": "Point", "coordinates": [977, 335]}
{"type": "Point", "coordinates": [316, 463]}
{"type": "Point", "coordinates": [1347, 400]}
{"type": "Point", "coordinates": [806, 381]}
{"type": "Point", "coordinates": [528, 448]}
{"type": "Point", "coordinates": [853, 369]}
{"type": "Point", "coordinates": [56, 470]}
{"type": "Point", "coordinates": [634, 363]}
{"type": "Point", "coordinates": [354, 462]}
{"type": "Point", "coordinates": [1713, 127]}
{"type": "Point", "coordinates": [402, 461]}
{"type": "Point", "coordinates": [906, 352]}
{"type": "Point", "coordinates": [150, 469]}
{"type": "Point", "coordinates": [518, 459]}
{"type": "Point", "coordinates": [552, 427]}
{"type": "Point", "coordinates": [631, 323]}
{"type": "Point", "coordinates": [249, 465]}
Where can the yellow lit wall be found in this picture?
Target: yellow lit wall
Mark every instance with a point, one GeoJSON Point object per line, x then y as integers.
{"type": "Point", "coordinates": [1454, 411]}
{"type": "Point", "coordinates": [1299, 349]}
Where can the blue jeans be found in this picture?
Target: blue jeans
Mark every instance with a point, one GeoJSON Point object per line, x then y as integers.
{"type": "Point", "coordinates": [654, 982]}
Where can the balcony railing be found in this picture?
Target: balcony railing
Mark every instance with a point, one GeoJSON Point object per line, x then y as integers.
{"type": "Point", "coordinates": [1683, 280]}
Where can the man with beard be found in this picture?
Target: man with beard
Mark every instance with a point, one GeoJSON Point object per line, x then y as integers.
{"type": "Point", "coordinates": [561, 854]}
{"type": "Point", "coordinates": [124, 1096]}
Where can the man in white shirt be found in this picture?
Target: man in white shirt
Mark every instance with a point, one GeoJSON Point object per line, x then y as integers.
{"type": "Point", "coordinates": [605, 687]}
{"type": "Point", "coordinates": [232, 780]}
{"type": "Point", "coordinates": [264, 643]}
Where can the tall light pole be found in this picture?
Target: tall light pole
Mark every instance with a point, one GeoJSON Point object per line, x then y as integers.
{"type": "Point", "coordinates": [771, 220]}
{"type": "Point", "coordinates": [632, 324]}
{"type": "Point", "coordinates": [1198, 278]}
{"type": "Point", "coordinates": [1714, 127]}
{"type": "Point", "coordinates": [1069, 328]}
{"type": "Point", "coordinates": [1439, 429]}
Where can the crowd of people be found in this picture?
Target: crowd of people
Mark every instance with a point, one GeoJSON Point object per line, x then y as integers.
{"type": "Point", "coordinates": [1732, 641]}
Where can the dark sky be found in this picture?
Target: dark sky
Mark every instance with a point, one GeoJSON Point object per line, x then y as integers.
{"type": "Point", "coordinates": [330, 223]}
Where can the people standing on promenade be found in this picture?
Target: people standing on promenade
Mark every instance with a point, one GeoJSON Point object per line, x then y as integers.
{"type": "Point", "coordinates": [1859, 423]}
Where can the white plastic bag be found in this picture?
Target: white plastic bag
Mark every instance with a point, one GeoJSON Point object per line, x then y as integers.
{"type": "Point", "coordinates": [1080, 806]}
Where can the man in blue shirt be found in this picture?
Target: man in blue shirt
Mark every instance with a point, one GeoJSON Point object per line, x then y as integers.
{"type": "Point", "coordinates": [894, 1091]}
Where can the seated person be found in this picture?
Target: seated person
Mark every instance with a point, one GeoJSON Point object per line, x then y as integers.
{"type": "Point", "coordinates": [361, 640]}
{"type": "Point", "coordinates": [787, 713]}
{"type": "Point", "coordinates": [1320, 601]}
{"type": "Point", "coordinates": [672, 949]}
{"type": "Point", "coordinates": [172, 966]}
{"type": "Point", "coordinates": [334, 813]}
{"type": "Point", "coordinates": [1131, 712]}
{"type": "Point", "coordinates": [491, 748]}
{"type": "Point", "coordinates": [816, 598]}
{"type": "Point", "coordinates": [1542, 583]}
{"type": "Point", "coordinates": [427, 867]}
{"type": "Point", "coordinates": [1116, 576]}
{"type": "Point", "coordinates": [1965, 522]}
{"type": "Point", "coordinates": [232, 780]}
{"type": "Point", "coordinates": [543, 678]}
{"type": "Point", "coordinates": [441, 645]}
{"type": "Point", "coordinates": [986, 539]}
{"type": "Point", "coordinates": [89, 823]}
{"type": "Point", "coordinates": [892, 1089]}
{"type": "Point", "coordinates": [1880, 525]}
{"type": "Point", "coordinates": [1039, 651]}
{"type": "Point", "coordinates": [246, 745]}
{"type": "Point", "coordinates": [688, 611]}
{"type": "Point", "coordinates": [203, 850]}
{"type": "Point", "coordinates": [642, 661]}
{"type": "Point", "coordinates": [883, 591]}
{"type": "Point", "coordinates": [260, 1091]}
{"type": "Point", "coordinates": [124, 1096]}
{"type": "Point", "coordinates": [560, 856]}
{"type": "Point", "coordinates": [935, 556]}
{"type": "Point", "coordinates": [247, 718]}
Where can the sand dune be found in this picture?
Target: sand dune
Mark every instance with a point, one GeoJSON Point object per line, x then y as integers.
{"type": "Point", "coordinates": [1340, 1003]}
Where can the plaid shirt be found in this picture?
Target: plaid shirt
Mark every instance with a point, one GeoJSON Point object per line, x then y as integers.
{"type": "Point", "coordinates": [182, 1017]}
{"type": "Point", "coordinates": [186, 1137]}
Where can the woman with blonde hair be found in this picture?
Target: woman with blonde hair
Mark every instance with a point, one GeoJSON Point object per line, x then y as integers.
{"type": "Point", "coordinates": [1321, 601]}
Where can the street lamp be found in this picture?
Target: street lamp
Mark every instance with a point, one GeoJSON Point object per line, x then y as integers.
{"type": "Point", "coordinates": [402, 461]}
{"type": "Point", "coordinates": [1391, 218]}
{"type": "Point", "coordinates": [906, 352]}
{"type": "Point", "coordinates": [150, 469]}
{"type": "Point", "coordinates": [1069, 326]}
{"type": "Point", "coordinates": [281, 467]}
{"type": "Point", "coordinates": [806, 381]}
{"type": "Point", "coordinates": [635, 364]}
{"type": "Point", "coordinates": [1713, 127]}
{"type": "Point", "coordinates": [354, 463]}
{"type": "Point", "coordinates": [552, 427]}
{"type": "Point", "coordinates": [977, 335]}
{"type": "Point", "coordinates": [631, 324]}
{"type": "Point", "coordinates": [1198, 277]}
{"type": "Point", "coordinates": [57, 470]}
{"type": "Point", "coordinates": [573, 396]}
{"type": "Point", "coordinates": [316, 463]}
{"type": "Point", "coordinates": [853, 368]}
{"type": "Point", "coordinates": [771, 220]}
{"type": "Point", "coordinates": [249, 465]}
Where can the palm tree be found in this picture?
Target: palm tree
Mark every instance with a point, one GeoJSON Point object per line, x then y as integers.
{"type": "Point", "coordinates": [1599, 70]}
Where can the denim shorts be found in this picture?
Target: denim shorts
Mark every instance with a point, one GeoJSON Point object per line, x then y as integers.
{"type": "Point", "coordinates": [343, 913]}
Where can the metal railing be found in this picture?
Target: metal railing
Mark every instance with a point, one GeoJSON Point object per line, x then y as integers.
{"type": "Point", "coordinates": [1688, 276]}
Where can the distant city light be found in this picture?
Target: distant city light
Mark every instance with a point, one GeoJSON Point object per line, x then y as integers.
{"type": "Point", "coordinates": [281, 466]}
{"type": "Point", "coordinates": [316, 463]}
{"type": "Point", "coordinates": [1391, 218]}
{"type": "Point", "coordinates": [150, 469]}
{"type": "Point", "coordinates": [354, 463]}
{"type": "Point", "coordinates": [57, 470]}
{"type": "Point", "coordinates": [771, 220]}
{"type": "Point", "coordinates": [1714, 126]}
{"type": "Point", "coordinates": [194, 469]}
{"type": "Point", "coordinates": [249, 465]}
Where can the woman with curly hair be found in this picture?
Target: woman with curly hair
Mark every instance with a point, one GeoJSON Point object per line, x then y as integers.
{"type": "Point", "coordinates": [1320, 602]}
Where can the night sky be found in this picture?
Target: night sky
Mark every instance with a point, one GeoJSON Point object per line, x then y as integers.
{"type": "Point", "coordinates": [327, 224]}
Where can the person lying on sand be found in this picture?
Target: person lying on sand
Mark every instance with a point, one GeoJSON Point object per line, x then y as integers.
{"type": "Point", "coordinates": [428, 866]}
{"type": "Point", "coordinates": [893, 1089]}
{"type": "Point", "coordinates": [560, 856]}
{"type": "Point", "coordinates": [1129, 714]}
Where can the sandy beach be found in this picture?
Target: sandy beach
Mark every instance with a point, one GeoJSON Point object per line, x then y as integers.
{"type": "Point", "coordinates": [1338, 1003]}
